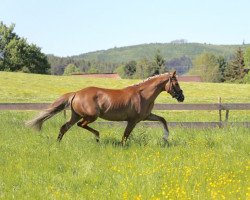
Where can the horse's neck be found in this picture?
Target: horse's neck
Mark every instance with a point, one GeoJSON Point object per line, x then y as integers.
{"type": "Point", "coordinates": [152, 88]}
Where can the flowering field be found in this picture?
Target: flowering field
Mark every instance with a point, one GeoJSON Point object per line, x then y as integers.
{"type": "Point", "coordinates": [197, 164]}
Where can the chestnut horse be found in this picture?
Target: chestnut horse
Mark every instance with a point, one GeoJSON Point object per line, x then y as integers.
{"type": "Point", "coordinates": [132, 104]}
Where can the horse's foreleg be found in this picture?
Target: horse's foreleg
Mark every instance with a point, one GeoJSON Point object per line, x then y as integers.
{"type": "Point", "coordinates": [128, 130]}
{"type": "Point", "coordinates": [153, 117]}
{"type": "Point", "coordinates": [84, 124]}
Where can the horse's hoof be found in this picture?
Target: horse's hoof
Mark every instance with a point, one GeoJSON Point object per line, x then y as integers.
{"type": "Point", "coordinates": [97, 139]}
{"type": "Point", "coordinates": [122, 143]}
{"type": "Point", "coordinates": [166, 142]}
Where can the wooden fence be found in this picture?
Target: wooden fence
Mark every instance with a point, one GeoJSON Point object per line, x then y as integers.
{"type": "Point", "coordinates": [208, 106]}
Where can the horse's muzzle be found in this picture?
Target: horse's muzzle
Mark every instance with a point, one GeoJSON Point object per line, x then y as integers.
{"type": "Point", "coordinates": [181, 98]}
{"type": "Point", "coordinates": [178, 95]}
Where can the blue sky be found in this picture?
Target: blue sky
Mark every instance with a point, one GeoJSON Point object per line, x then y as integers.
{"type": "Point", "coordinates": [72, 27]}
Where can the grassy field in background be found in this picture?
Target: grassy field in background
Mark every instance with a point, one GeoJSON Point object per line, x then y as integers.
{"type": "Point", "coordinates": [197, 164]}
{"type": "Point", "coordinates": [21, 87]}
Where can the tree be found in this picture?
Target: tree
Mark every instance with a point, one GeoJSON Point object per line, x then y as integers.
{"type": "Point", "coordinates": [6, 35]}
{"type": "Point", "coordinates": [206, 65]}
{"type": "Point", "coordinates": [141, 69]}
{"type": "Point", "coordinates": [247, 65]}
{"type": "Point", "coordinates": [160, 63]}
{"type": "Point", "coordinates": [222, 67]}
{"type": "Point", "coordinates": [130, 69]}
{"type": "Point", "coordinates": [235, 69]}
{"type": "Point", "coordinates": [145, 69]}
{"type": "Point", "coordinates": [93, 70]}
{"type": "Point", "coordinates": [181, 64]}
{"type": "Point", "coordinates": [127, 71]}
{"type": "Point", "coordinates": [17, 55]}
{"type": "Point", "coordinates": [71, 69]}
{"type": "Point", "coordinates": [121, 71]}
{"type": "Point", "coordinates": [247, 57]}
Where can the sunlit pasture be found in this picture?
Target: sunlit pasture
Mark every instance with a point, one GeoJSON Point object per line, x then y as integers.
{"type": "Point", "coordinates": [196, 164]}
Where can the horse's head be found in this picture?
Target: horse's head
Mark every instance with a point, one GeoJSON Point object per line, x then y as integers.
{"type": "Point", "coordinates": [173, 88]}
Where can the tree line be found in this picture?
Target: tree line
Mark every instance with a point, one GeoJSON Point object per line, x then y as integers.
{"type": "Point", "coordinates": [145, 67]}
{"type": "Point", "coordinates": [16, 54]}
{"type": "Point", "coordinates": [209, 67]}
{"type": "Point", "coordinates": [60, 64]}
{"type": "Point", "coordinates": [214, 68]}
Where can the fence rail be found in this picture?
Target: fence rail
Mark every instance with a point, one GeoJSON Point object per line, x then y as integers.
{"type": "Point", "coordinates": [23, 106]}
{"type": "Point", "coordinates": [207, 106]}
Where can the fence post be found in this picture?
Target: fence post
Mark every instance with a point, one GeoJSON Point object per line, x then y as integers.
{"type": "Point", "coordinates": [227, 114]}
{"type": "Point", "coordinates": [220, 118]}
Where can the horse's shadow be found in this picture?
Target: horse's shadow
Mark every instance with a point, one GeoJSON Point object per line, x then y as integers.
{"type": "Point", "coordinates": [109, 141]}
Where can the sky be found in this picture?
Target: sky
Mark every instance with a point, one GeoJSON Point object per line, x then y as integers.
{"type": "Point", "coordinates": [73, 27]}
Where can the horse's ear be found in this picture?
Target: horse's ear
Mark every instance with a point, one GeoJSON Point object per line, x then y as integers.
{"type": "Point", "coordinates": [174, 74]}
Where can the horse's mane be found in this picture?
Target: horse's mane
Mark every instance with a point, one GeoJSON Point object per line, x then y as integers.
{"type": "Point", "coordinates": [150, 78]}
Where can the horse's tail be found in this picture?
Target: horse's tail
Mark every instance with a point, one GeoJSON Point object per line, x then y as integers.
{"type": "Point", "coordinates": [60, 104]}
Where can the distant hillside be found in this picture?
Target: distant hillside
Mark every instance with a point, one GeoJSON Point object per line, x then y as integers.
{"type": "Point", "coordinates": [107, 61]}
{"type": "Point", "coordinates": [168, 50]}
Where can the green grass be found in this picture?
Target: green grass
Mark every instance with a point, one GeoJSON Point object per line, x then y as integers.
{"type": "Point", "coordinates": [197, 164]}
{"type": "Point", "coordinates": [203, 116]}
{"type": "Point", "coordinates": [20, 87]}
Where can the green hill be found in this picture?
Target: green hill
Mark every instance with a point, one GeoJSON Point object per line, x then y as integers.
{"type": "Point", "coordinates": [168, 50]}
{"type": "Point", "coordinates": [107, 61]}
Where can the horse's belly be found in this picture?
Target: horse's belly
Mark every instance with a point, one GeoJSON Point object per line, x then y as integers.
{"type": "Point", "coordinates": [114, 116]}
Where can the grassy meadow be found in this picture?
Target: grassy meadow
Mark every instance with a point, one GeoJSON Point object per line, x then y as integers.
{"type": "Point", "coordinates": [197, 163]}
{"type": "Point", "coordinates": [21, 87]}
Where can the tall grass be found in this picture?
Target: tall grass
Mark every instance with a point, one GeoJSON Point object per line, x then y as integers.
{"type": "Point", "coordinates": [197, 164]}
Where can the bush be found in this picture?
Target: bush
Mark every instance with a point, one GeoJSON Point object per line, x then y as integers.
{"type": "Point", "coordinates": [247, 78]}
{"type": "Point", "coordinates": [71, 69]}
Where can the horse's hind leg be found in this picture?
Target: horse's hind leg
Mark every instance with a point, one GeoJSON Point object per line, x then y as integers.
{"type": "Point", "coordinates": [84, 124]}
{"type": "Point", "coordinates": [74, 118]}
